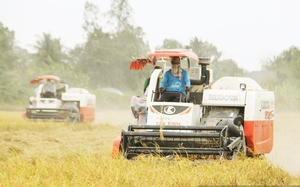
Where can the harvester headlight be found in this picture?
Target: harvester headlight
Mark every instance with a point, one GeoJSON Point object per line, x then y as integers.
{"type": "Point", "coordinates": [243, 86]}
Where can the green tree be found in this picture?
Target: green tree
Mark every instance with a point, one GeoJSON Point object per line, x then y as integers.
{"type": "Point", "coordinates": [170, 44]}
{"type": "Point", "coordinates": [49, 50]}
{"type": "Point", "coordinates": [120, 15]}
{"type": "Point", "coordinates": [226, 67]}
{"type": "Point", "coordinates": [286, 65]}
{"type": "Point", "coordinates": [132, 42]}
{"type": "Point", "coordinates": [106, 56]}
{"type": "Point", "coordinates": [91, 17]}
{"type": "Point", "coordinates": [285, 85]}
{"type": "Point", "coordinates": [7, 56]}
{"type": "Point", "coordinates": [51, 59]}
{"type": "Point", "coordinates": [205, 49]}
{"type": "Point", "coordinates": [13, 61]}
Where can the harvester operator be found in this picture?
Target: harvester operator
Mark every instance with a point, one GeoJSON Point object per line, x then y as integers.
{"type": "Point", "coordinates": [175, 84]}
{"type": "Point", "coordinates": [49, 90]}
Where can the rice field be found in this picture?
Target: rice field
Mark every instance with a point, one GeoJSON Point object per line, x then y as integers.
{"type": "Point", "coordinates": [62, 154]}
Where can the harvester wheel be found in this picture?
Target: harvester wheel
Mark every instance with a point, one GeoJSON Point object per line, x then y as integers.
{"type": "Point", "coordinates": [243, 150]}
{"type": "Point", "coordinates": [239, 150]}
{"type": "Point", "coordinates": [74, 114]}
{"type": "Point", "coordinates": [243, 146]}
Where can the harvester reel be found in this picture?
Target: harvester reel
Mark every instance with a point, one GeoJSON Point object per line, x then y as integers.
{"type": "Point", "coordinates": [242, 148]}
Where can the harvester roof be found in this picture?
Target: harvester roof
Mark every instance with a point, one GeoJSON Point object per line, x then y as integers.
{"type": "Point", "coordinates": [174, 53]}
{"type": "Point", "coordinates": [45, 77]}
{"type": "Point", "coordinates": [140, 63]}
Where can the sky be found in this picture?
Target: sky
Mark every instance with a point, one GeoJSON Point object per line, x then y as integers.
{"type": "Point", "coordinates": [246, 31]}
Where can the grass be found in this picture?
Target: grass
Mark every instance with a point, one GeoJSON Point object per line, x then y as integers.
{"type": "Point", "coordinates": [62, 154]}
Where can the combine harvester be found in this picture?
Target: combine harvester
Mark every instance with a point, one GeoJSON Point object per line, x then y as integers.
{"type": "Point", "coordinates": [233, 116]}
{"type": "Point", "coordinates": [69, 104]}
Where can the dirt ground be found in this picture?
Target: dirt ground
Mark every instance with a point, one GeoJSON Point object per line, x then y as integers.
{"type": "Point", "coordinates": [286, 149]}
{"type": "Point", "coordinates": [115, 117]}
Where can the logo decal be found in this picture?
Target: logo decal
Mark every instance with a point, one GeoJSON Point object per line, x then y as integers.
{"type": "Point", "coordinates": [269, 114]}
{"type": "Point", "coordinates": [169, 110]}
{"type": "Point", "coordinates": [223, 97]}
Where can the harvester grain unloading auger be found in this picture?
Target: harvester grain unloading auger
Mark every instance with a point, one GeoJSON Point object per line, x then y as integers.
{"type": "Point", "coordinates": [232, 116]}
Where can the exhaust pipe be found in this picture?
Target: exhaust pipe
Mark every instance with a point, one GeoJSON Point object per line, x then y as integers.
{"type": "Point", "coordinates": [205, 74]}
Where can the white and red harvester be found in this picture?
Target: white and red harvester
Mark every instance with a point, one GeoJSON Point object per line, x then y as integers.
{"type": "Point", "coordinates": [69, 104]}
{"type": "Point", "coordinates": [232, 116]}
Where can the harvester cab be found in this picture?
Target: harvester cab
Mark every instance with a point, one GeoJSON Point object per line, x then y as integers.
{"type": "Point", "coordinates": [223, 119]}
{"type": "Point", "coordinates": [61, 103]}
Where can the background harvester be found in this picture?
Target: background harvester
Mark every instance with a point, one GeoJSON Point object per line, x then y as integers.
{"type": "Point", "coordinates": [231, 116]}
{"type": "Point", "coordinates": [63, 104]}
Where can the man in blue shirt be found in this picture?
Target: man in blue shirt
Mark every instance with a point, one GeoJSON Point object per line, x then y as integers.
{"type": "Point", "coordinates": [175, 84]}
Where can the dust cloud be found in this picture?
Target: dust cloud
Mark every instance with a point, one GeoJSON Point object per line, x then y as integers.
{"type": "Point", "coordinates": [286, 148]}
{"type": "Point", "coordinates": [113, 117]}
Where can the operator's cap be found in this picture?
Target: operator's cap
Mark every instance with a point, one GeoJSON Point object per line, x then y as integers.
{"type": "Point", "coordinates": [175, 60]}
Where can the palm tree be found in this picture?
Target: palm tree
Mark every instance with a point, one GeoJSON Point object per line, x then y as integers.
{"type": "Point", "coordinates": [49, 50]}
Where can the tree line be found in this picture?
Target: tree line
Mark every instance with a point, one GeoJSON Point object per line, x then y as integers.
{"type": "Point", "coordinates": [103, 59]}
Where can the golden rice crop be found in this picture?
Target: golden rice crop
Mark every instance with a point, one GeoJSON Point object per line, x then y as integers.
{"type": "Point", "coordinates": [62, 154]}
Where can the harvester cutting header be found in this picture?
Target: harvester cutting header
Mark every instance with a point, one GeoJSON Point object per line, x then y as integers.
{"type": "Point", "coordinates": [232, 116]}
